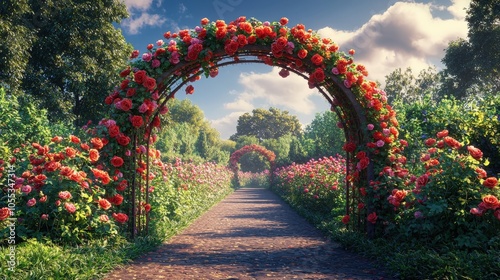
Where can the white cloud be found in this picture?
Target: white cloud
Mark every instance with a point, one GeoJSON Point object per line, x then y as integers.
{"type": "Point", "coordinates": [459, 8]}
{"type": "Point", "coordinates": [227, 124]}
{"type": "Point", "coordinates": [239, 104]}
{"type": "Point", "coordinates": [406, 35]}
{"type": "Point", "coordinates": [264, 90]}
{"type": "Point", "coordinates": [141, 15]}
{"type": "Point", "coordinates": [142, 5]}
{"type": "Point", "coordinates": [291, 92]}
{"type": "Point", "coordinates": [134, 24]}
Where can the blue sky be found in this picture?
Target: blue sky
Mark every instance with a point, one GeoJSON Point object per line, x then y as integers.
{"type": "Point", "coordinates": [385, 34]}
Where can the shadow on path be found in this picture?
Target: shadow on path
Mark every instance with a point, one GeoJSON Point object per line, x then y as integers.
{"type": "Point", "coordinates": [252, 234]}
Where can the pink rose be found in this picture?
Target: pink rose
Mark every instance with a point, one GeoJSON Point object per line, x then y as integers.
{"type": "Point", "coordinates": [380, 143]}
{"type": "Point", "coordinates": [370, 126]}
{"type": "Point", "coordinates": [31, 202]}
{"type": "Point", "coordinates": [26, 189]}
{"type": "Point", "coordinates": [147, 57]}
{"type": "Point", "coordinates": [70, 207]}
{"type": "Point", "coordinates": [155, 63]}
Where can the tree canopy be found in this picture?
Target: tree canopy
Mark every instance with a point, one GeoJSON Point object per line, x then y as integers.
{"type": "Point", "coordinates": [267, 124]}
{"type": "Point", "coordinates": [65, 54]}
{"type": "Point", "coordinates": [472, 66]}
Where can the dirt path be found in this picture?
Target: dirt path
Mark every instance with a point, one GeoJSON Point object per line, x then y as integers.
{"type": "Point", "coordinates": [252, 234]}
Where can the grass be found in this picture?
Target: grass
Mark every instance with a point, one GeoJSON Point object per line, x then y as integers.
{"type": "Point", "coordinates": [42, 259]}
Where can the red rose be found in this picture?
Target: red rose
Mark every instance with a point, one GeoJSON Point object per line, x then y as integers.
{"type": "Point", "coordinates": [97, 143]}
{"type": "Point", "coordinates": [302, 53]}
{"type": "Point", "coordinates": [452, 142]}
{"type": "Point", "coordinates": [93, 155]}
{"type": "Point", "coordinates": [318, 75]}
{"type": "Point", "coordinates": [283, 21]}
{"type": "Point", "coordinates": [120, 217]}
{"type": "Point", "coordinates": [430, 142]}
{"type": "Point", "coordinates": [442, 133]}
{"type": "Point", "coordinates": [104, 204]}
{"type": "Point", "coordinates": [122, 186]}
{"type": "Point", "coordinates": [189, 89]}
{"type": "Point", "coordinates": [345, 219]}
{"type": "Point", "coordinates": [125, 72]}
{"type": "Point", "coordinates": [481, 173]}
{"type": "Point", "coordinates": [117, 161]}
{"type": "Point", "coordinates": [491, 202]}
{"type": "Point", "coordinates": [74, 139]}
{"type": "Point", "coordinates": [475, 152]}
{"type": "Point", "coordinates": [4, 213]}
{"type": "Point", "coordinates": [136, 121]}
{"type": "Point", "coordinates": [117, 199]}
{"type": "Point", "coordinates": [70, 152]}
{"type": "Point", "coordinates": [490, 182]}
{"type": "Point", "coordinates": [317, 59]}
{"type": "Point", "coordinates": [140, 76]}
{"type": "Point", "coordinates": [113, 131]}
{"type": "Point", "coordinates": [122, 139]}
{"type": "Point", "coordinates": [349, 147]}
{"type": "Point", "coordinates": [372, 217]}
{"type": "Point", "coordinates": [149, 83]}
{"type": "Point", "coordinates": [422, 181]}
{"type": "Point", "coordinates": [124, 84]}
{"type": "Point", "coordinates": [131, 92]}
{"type": "Point", "coordinates": [52, 166]}
{"type": "Point", "coordinates": [125, 104]}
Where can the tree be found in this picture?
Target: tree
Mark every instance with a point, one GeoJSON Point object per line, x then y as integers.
{"type": "Point", "coordinates": [70, 58]}
{"type": "Point", "coordinates": [327, 138]}
{"type": "Point", "coordinates": [473, 65]}
{"type": "Point", "coordinates": [267, 124]}
{"type": "Point", "coordinates": [404, 87]}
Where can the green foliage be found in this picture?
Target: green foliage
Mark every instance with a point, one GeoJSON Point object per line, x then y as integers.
{"type": "Point", "coordinates": [187, 135]}
{"type": "Point", "coordinates": [267, 124]}
{"type": "Point", "coordinates": [323, 137]}
{"type": "Point", "coordinates": [20, 124]}
{"type": "Point", "coordinates": [472, 66]}
{"type": "Point", "coordinates": [475, 122]}
{"type": "Point", "coordinates": [63, 54]}
{"type": "Point", "coordinates": [404, 87]}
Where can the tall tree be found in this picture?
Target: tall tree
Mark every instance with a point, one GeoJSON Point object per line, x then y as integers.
{"type": "Point", "coordinates": [267, 124]}
{"type": "Point", "coordinates": [71, 56]}
{"type": "Point", "coordinates": [328, 139]}
{"type": "Point", "coordinates": [473, 65]}
{"type": "Point", "coordinates": [403, 87]}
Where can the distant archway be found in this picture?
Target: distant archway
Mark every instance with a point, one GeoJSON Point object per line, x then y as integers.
{"type": "Point", "coordinates": [235, 158]}
{"type": "Point", "coordinates": [155, 76]}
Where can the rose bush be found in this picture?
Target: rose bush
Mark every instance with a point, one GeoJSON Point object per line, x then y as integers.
{"type": "Point", "coordinates": [318, 185]}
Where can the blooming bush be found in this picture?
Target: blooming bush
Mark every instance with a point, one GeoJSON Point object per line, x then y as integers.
{"type": "Point", "coordinates": [318, 185]}
{"type": "Point", "coordinates": [453, 200]}
{"type": "Point", "coordinates": [185, 187]}
{"type": "Point", "coordinates": [59, 190]}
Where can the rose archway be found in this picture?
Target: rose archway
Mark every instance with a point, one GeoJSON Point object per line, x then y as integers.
{"type": "Point", "coordinates": [155, 76]}
{"type": "Point", "coordinates": [235, 158]}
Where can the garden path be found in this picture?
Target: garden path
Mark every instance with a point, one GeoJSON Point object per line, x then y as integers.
{"type": "Point", "coordinates": [251, 234]}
